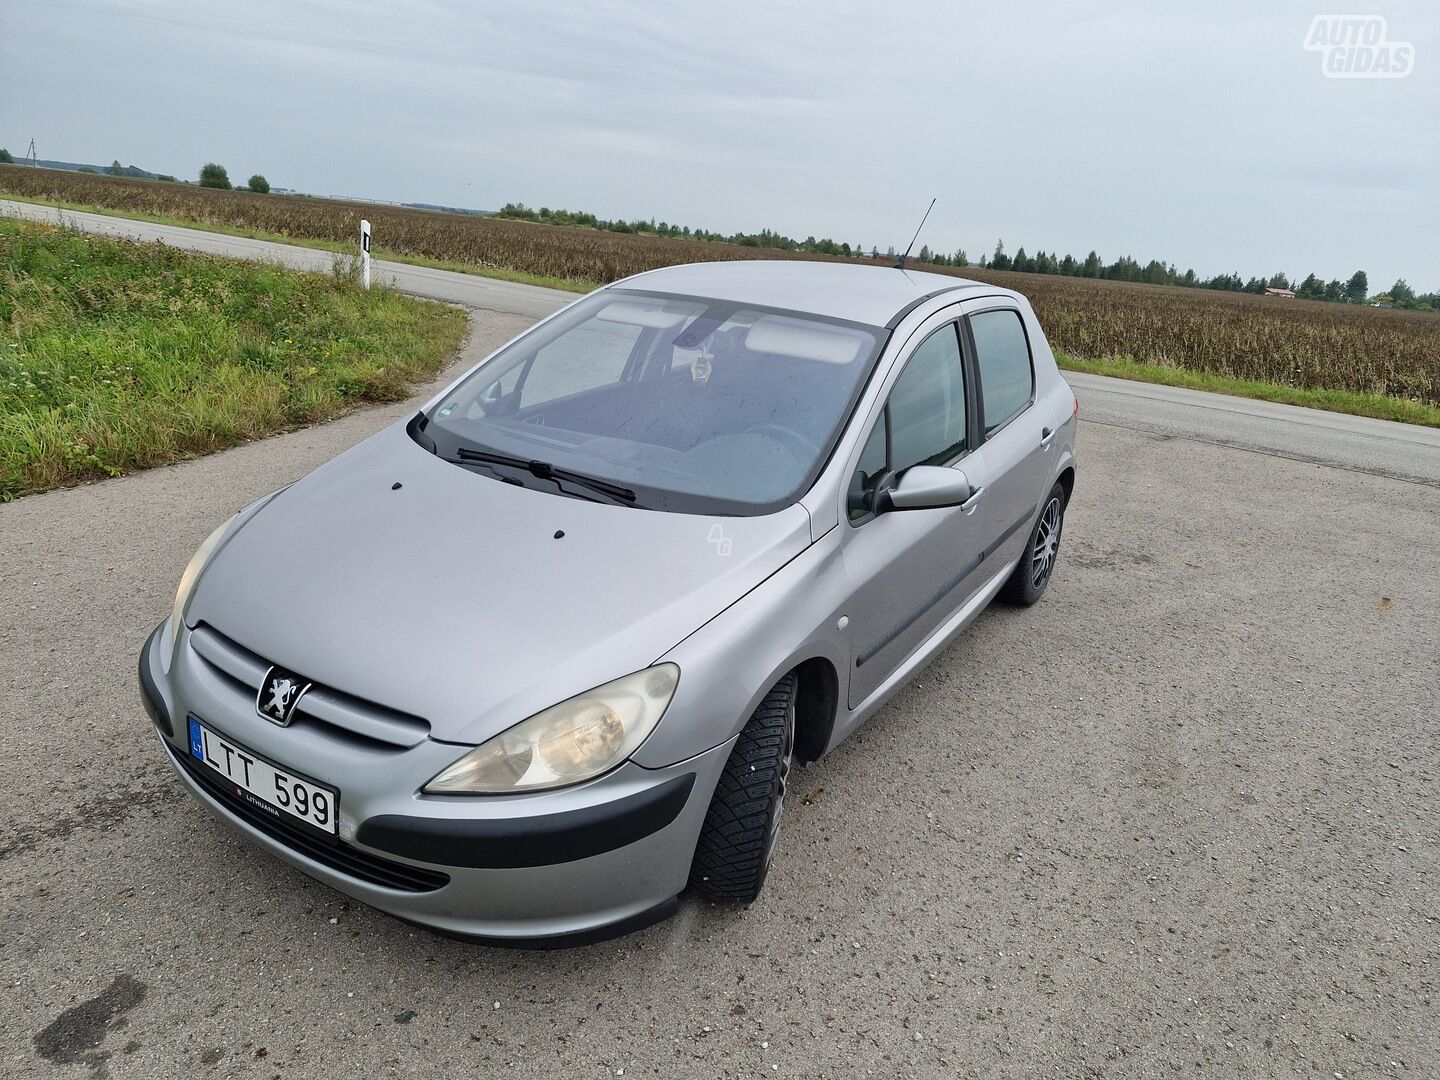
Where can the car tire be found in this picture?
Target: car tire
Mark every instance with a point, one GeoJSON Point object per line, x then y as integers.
{"type": "Point", "coordinates": [737, 840]}
{"type": "Point", "coordinates": [1037, 564]}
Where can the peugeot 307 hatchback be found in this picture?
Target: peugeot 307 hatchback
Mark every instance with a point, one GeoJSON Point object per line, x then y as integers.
{"type": "Point", "coordinates": [529, 664]}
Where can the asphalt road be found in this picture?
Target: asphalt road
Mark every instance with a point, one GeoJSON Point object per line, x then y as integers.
{"type": "Point", "coordinates": [1178, 819]}
{"type": "Point", "coordinates": [1403, 451]}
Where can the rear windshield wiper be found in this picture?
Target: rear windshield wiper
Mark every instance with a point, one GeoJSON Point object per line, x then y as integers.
{"type": "Point", "coordinates": [543, 470]}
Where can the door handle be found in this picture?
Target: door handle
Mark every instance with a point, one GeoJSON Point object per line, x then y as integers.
{"type": "Point", "coordinates": [968, 506]}
{"type": "Point", "coordinates": [1047, 436]}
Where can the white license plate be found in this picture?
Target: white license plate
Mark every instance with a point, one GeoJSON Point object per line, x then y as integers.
{"type": "Point", "coordinates": [271, 786]}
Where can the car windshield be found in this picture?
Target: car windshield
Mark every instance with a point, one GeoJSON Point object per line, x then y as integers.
{"type": "Point", "coordinates": [681, 403]}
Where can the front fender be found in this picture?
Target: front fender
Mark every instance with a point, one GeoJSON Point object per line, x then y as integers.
{"type": "Point", "coordinates": [729, 664]}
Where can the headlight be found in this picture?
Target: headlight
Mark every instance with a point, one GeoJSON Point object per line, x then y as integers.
{"type": "Point", "coordinates": [192, 575]}
{"type": "Point", "coordinates": [567, 743]}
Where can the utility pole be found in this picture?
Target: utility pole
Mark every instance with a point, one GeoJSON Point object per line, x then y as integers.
{"type": "Point", "coordinates": [31, 155]}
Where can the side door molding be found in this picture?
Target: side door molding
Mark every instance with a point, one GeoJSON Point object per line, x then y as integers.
{"type": "Point", "coordinates": [1010, 530]}
{"type": "Point", "coordinates": [919, 612]}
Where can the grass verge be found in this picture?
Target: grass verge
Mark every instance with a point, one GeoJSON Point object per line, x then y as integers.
{"type": "Point", "coordinates": [1342, 401]}
{"type": "Point", "coordinates": [117, 355]}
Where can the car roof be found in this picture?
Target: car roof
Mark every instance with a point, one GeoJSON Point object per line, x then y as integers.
{"type": "Point", "coordinates": [874, 295]}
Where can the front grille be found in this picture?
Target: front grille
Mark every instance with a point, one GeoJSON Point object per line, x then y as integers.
{"type": "Point", "coordinates": [365, 723]}
{"type": "Point", "coordinates": [335, 854]}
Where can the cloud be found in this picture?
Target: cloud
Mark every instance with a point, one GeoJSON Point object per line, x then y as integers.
{"type": "Point", "coordinates": [1205, 136]}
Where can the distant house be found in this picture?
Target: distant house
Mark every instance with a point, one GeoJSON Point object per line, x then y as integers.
{"type": "Point", "coordinates": [1288, 294]}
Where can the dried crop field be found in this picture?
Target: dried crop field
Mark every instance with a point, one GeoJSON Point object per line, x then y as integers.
{"type": "Point", "coordinates": [1292, 343]}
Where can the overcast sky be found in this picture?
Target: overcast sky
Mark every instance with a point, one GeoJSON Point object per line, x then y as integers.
{"type": "Point", "coordinates": [1207, 137]}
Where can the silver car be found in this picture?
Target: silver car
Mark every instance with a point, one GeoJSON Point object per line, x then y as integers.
{"type": "Point", "coordinates": [527, 666]}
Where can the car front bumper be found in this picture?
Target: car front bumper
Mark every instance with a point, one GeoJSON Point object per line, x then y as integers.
{"type": "Point", "coordinates": [541, 870]}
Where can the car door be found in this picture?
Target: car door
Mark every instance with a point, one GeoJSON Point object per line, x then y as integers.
{"type": "Point", "coordinates": [910, 569]}
{"type": "Point", "coordinates": [1016, 433]}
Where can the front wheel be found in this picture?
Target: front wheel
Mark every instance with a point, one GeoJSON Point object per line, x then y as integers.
{"type": "Point", "coordinates": [738, 837]}
{"type": "Point", "coordinates": [1037, 563]}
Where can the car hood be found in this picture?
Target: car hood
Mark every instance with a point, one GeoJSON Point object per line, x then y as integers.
{"type": "Point", "coordinates": [446, 594]}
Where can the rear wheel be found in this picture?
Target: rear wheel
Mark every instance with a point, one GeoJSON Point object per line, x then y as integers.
{"type": "Point", "coordinates": [1037, 563]}
{"type": "Point", "coordinates": [738, 837]}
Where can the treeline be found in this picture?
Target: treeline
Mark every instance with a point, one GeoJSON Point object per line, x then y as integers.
{"type": "Point", "coordinates": [765, 238]}
{"type": "Point", "coordinates": [1355, 290]}
{"type": "Point", "coordinates": [211, 174]}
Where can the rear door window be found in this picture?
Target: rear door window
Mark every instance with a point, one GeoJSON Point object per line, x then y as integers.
{"type": "Point", "coordinates": [1002, 353]}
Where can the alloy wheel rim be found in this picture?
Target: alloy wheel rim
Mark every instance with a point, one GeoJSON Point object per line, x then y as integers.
{"type": "Point", "coordinates": [1047, 544]}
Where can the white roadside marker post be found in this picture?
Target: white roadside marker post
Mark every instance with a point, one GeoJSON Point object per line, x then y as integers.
{"type": "Point", "coordinates": [365, 251]}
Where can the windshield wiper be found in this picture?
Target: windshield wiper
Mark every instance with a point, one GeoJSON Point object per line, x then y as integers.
{"type": "Point", "coordinates": [543, 470]}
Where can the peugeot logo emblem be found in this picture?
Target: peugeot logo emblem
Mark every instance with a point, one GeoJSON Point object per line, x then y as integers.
{"type": "Point", "coordinates": [280, 693]}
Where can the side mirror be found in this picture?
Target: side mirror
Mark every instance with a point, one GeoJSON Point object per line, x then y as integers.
{"type": "Point", "coordinates": [928, 487]}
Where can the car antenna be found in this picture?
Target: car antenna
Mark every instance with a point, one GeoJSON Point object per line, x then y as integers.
{"type": "Point", "coordinates": [900, 262]}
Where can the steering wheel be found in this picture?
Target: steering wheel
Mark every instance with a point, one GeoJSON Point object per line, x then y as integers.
{"type": "Point", "coordinates": [792, 440]}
